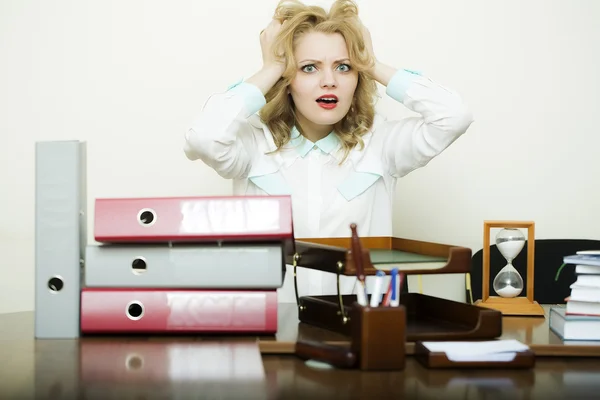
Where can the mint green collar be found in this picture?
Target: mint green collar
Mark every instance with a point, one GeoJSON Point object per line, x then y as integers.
{"type": "Point", "coordinates": [327, 145]}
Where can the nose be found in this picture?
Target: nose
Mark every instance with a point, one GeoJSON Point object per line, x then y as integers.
{"type": "Point", "coordinates": [328, 79]}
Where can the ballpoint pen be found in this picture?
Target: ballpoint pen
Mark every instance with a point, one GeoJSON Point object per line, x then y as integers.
{"type": "Point", "coordinates": [388, 294]}
{"type": "Point", "coordinates": [395, 283]}
{"type": "Point", "coordinates": [361, 292]}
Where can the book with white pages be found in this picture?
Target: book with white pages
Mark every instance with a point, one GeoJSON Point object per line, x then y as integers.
{"type": "Point", "coordinates": [591, 281]}
{"type": "Point", "coordinates": [583, 259]}
{"type": "Point", "coordinates": [573, 327]}
{"type": "Point", "coordinates": [575, 307]}
{"type": "Point", "coordinates": [581, 269]}
{"type": "Point", "coordinates": [584, 293]}
{"type": "Point", "coordinates": [589, 252]}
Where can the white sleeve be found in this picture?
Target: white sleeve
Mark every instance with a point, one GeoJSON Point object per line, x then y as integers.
{"type": "Point", "coordinates": [221, 136]}
{"type": "Point", "coordinates": [414, 141]}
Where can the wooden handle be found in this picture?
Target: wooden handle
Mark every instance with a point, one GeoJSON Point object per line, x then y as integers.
{"type": "Point", "coordinates": [357, 254]}
{"type": "Point", "coordinates": [338, 356]}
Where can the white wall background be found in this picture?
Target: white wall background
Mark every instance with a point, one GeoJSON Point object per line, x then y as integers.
{"type": "Point", "coordinates": [128, 77]}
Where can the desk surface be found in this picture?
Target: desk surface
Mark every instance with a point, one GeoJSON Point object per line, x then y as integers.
{"type": "Point", "coordinates": [228, 368]}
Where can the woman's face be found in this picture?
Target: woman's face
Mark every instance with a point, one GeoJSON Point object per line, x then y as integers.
{"type": "Point", "coordinates": [324, 85]}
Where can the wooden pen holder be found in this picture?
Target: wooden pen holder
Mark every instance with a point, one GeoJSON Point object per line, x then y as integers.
{"type": "Point", "coordinates": [379, 337]}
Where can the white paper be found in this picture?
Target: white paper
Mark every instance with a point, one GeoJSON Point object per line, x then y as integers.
{"type": "Point", "coordinates": [498, 357]}
{"type": "Point", "coordinates": [493, 350]}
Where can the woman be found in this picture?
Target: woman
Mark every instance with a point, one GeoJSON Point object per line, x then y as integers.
{"type": "Point", "coordinates": [305, 125]}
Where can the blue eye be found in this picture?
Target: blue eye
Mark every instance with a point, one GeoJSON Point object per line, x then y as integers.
{"type": "Point", "coordinates": [305, 68]}
{"type": "Point", "coordinates": [344, 67]}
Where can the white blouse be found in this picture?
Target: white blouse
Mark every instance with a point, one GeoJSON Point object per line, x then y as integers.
{"type": "Point", "coordinates": [229, 136]}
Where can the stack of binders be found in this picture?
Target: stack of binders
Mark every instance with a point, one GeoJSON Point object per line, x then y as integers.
{"type": "Point", "coordinates": [159, 265]}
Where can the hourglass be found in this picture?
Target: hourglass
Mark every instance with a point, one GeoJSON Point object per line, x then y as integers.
{"type": "Point", "coordinates": [508, 283]}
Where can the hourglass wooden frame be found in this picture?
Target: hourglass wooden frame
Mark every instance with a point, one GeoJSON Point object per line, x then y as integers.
{"type": "Point", "coordinates": [520, 305]}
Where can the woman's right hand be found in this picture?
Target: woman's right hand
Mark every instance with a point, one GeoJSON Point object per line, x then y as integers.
{"type": "Point", "coordinates": [267, 39]}
{"type": "Point", "coordinates": [273, 66]}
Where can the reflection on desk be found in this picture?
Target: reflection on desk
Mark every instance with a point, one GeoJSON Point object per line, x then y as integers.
{"type": "Point", "coordinates": [227, 368]}
{"type": "Point", "coordinates": [297, 381]}
{"type": "Point", "coordinates": [96, 368]}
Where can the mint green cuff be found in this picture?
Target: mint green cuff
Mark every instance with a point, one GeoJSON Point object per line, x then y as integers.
{"type": "Point", "coordinates": [252, 96]}
{"type": "Point", "coordinates": [400, 82]}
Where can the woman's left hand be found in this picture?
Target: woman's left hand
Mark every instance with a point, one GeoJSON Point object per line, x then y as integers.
{"type": "Point", "coordinates": [380, 72]}
{"type": "Point", "coordinates": [368, 43]}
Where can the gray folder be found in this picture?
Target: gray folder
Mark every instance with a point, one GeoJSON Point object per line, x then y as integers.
{"type": "Point", "coordinates": [60, 236]}
{"type": "Point", "coordinates": [199, 266]}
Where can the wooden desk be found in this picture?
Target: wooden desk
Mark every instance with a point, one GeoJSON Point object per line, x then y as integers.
{"type": "Point", "coordinates": [533, 331]}
{"type": "Point", "coordinates": [232, 368]}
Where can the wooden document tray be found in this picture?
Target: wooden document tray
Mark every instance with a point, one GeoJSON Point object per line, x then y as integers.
{"type": "Point", "coordinates": [434, 359]}
{"type": "Point", "coordinates": [427, 317]}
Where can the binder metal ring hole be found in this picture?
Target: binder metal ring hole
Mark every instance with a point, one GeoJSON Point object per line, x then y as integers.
{"type": "Point", "coordinates": [147, 217]}
{"type": "Point", "coordinates": [55, 284]}
{"type": "Point", "coordinates": [134, 362]}
{"type": "Point", "coordinates": [138, 266]}
{"type": "Point", "coordinates": [135, 310]}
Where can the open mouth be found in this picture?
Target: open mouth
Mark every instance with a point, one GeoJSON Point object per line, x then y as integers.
{"type": "Point", "coordinates": [327, 99]}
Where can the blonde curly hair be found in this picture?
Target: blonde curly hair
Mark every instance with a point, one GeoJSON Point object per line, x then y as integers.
{"type": "Point", "coordinates": [278, 113]}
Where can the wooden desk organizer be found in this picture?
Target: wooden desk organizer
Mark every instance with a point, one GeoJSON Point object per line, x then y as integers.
{"type": "Point", "coordinates": [378, 341]}
{"type": "Point", "coordinates": [427, 317]}
{"type": "Point", "coordinates": [379, 337]}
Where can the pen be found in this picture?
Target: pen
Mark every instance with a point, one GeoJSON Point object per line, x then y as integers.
{"type": "Point", "coordinates": [361, 293]}
{"type": "Point", "coordinates": [361, 297]}
{"type": "Point", "coordinates": [378, 289]}
{"type": "Point", "coordinates": [395, 283]}
{"type": "Point", "coordinates": [386, 299]}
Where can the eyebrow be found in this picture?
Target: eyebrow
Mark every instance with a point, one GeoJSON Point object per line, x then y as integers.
{"type": "Point", "coordinates": [320, 62]}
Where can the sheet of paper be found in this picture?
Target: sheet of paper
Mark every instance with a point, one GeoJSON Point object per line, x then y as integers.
{"type": "Point", "coordinates": [497, 357]}
{"type": "Point", "coordinates": [492, 350]}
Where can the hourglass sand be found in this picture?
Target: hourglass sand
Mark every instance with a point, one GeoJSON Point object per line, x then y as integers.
{"type": "Point", "coordinates": [508, 283]}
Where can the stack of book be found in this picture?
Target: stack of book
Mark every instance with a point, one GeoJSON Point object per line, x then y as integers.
{"type": "Point", "coordinates": [580, 319]}
{"type": "Point", "coordinates": [158, 265]}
